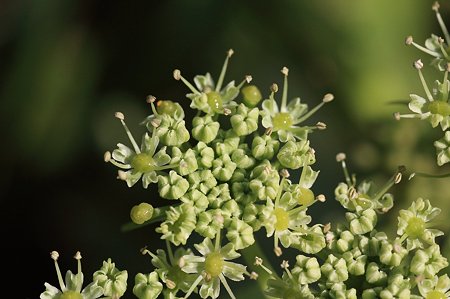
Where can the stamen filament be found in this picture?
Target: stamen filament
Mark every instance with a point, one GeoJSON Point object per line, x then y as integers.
{"type": "Point", "coordinates": [188, 84]}
{"type": "Point", "coordinates": [311, 112]}
{"type": "Point", "coordinates": [193, 286]}
{"type": "Point", "coordinates": [227, 287]}
{"type": "Point", "coordinates": [130, 136]}
{"type": "Point", "coordinates": [164, 167]}
{"type": "Point", "coordinates": [297, 209]}
{"type": "Point", "coordinates": [277, 199]}
{"type": "Point", "coordinates": [341, 158]}
{"type": "Point", "coordinates": [170, 253]}
{"type": "Point", "coordinates": [120, 165]}
{"type": "Point", "coordinates": [55, 256]}
{"type": "Point", "coordinates": [285, 71]}
{"type": "Point", "coordinates": [389, 184]}
{"type": "Point", "coordinates": [425, 86]}
{"type": "Point", "coordinates": [442, 24]}
{"type": "Point", "coordinates": [443, 51]}
{"type": "Point", "coordinates": [217, 241]}
{"type": "Point", "coordinates": [223, 71]}
{"type": "Point", "coordinates": [426, 50]}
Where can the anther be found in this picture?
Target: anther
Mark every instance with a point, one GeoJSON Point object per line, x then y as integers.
{"type": "Point", "coordinates": [435, 6]}
{"type": "Point", "coordinates": [398, 178]}
{"type": "Point", "coordinates": [284, 264]}
{"type": "Point", "coordinates": [156, 122]}
{"type": "Point", "coordinates": [328, 98]}
{"type": "Point", "coordinates": [278, 251]}
{"type": "Point", "coordinates": [448, 67]}
{"type": "Point", "coordinates": [284, 173]}
{"type": "Point", "coordinates": [258, 261]}
{"type": "Point", "coordinates": [352, 193]}
{"type": "Point", "coordinates": [274, 87]}
{"type": "Point", "coordinates": [418, 64]}
{"type": "Point", "coordinates": [226, 111]}
{"type": "Point", "coordinates": [321, 198]}
{"type": "Point", "coordinates": [77, 256]}
{"type": "Point", "coordinates": [230, 53]}
{"type": "Point", "coordinates": [321, 126]}
{"type": "Point", "coordinates": [122, 175]}
{"type": "Point", "coordinates": [409, 40]}
{"type": "Point", "coordinates": [151, 99]}
{"type": "Point", "coordinates": [170, 284]}
{"type": "Point", "coordinates": [268, 131]}
{"type": "Point", "coordinates": [144, 250]}
{"type": "Point", "coordinates": [254, 275]}
{"type": "Point", "coordinates": [119, 115]}
{"type": "Point", "coordinates": [107, 156]}
{"type": "Point", "coordinates": [340, 157]}
{"type": "Point", "coordinates": [441, 40]}
{"type": "Point", "coordinates": [177, 74]}
{"type": "Point", "coordinates": [248, 78]}
{"type": "Point", "coordinates": [397, 116]}
{"type": "Point", "coordinates": [54, 255]}
{"type": "Point", "coordinates": [285, 71]}
{"type": "Point", "coordinates": [326, 228]}
{"type": "Point", "coordinates": [181, 262]}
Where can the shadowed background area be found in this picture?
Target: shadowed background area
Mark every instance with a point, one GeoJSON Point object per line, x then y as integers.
{"type": "Point", "coordinates": [67, 66]}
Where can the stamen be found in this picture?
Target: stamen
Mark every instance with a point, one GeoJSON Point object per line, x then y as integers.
{"type": "Point", "coordinates": [268, 131]}
{"type": "Point", "coordinates": [55, 255]}
{"type": "Point", "coordinates": [224, 70]}
{"type": "Point", "coordinates": [226, 111]}
{"type": "Point", "coordinates": [227, 287]}
{"type": "Point", "coordinates": [398, 116]}
{"type": "Point", "coordinates": [419, 65]}
{"type": "Point", "coordinates": [151, 100]}
{"type": "Point", "coordinates": [341, 158]}
{"type": "Point", "coordinates": [321, 198]}
{"type": "Point", "coordinates": [78, 258]}
{"type": "Point", "coordinates": [121, 117]}
{"type": "Point", "coordinates": [410, 41]}
{"type": "Point", "coordinates": [253, 275]}
{"type": "Point", "coordinates": [284, 173]}
{"type": "Point", "coordinates": [278, 251]}
{"type": "Point", "coordinates": [285, 72]}
{"type": "Point", "coordinates": [122, 175]}
{"type": "Point", "coordinates": [441, 46]}
{"type": "Point", "coordinates": [177, 76]}
{"type": "Point", "coordinates": [193, 286]}
{"type": "Point", "coordinates": [259, 262]}
{"type": "Point", "coordinates": [107, 156]}
{"type": "Point", "coordinates": [395, 179]}
{"type": "Point", "coordinates": [321, 126]}
{"type": "Point", "coordinates": [170, 284]}
{"type": "Point", "coordinates": [435, 7]}
{"type": "Point", "coordinates": [247, 80]}
{"type": "Point", "coordinates": [169, 252]}
{"type": "Point", "coordinates": [326, 228]}
{"type": "Point", "coordinates": [326, 99]}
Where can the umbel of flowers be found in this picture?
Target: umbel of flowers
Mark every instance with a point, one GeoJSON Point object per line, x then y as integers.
{"type": "Point", "coordinates": [231, 176]}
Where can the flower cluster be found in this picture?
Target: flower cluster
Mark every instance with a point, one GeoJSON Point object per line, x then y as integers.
{"type": "Point", "coordinates": [435, 107]}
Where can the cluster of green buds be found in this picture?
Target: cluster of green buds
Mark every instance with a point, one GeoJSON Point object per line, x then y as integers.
{"type": "Point", "coordinates": [435, 107]}
{"type": "Point", "coordinates": [360, 261]}
{"type": "Point", "coordinates": [225, 179]}
{"type": "Point", "coordinates": [108, 282]}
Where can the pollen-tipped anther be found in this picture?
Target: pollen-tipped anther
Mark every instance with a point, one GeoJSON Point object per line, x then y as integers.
{"type": "Point", "coordinates": [156, 122]}
{"type": "Point", "coordinates": [397, 116]}
{"type": "Point", "coordinates": [328, 98]}
{"type": "Point", "coordinates": [253, 275]}
{"type": "Point", "coordinates": [54, 255]}
{"type": "Point", "coordinates": [398, 178]}
{"type": "Point", "coordinates": [107, 156]}
{"type": "Point", "coordinates": [285, 71]}
{"type": "Point", "coordinates": [119, 115]}
{"type": "Point", "coordinates": [122, 175]}
{"type": "Point", "coordinates": [150, 99]}
{"type": "Point", "coordinates": [170, 284]}
{"type": "Point", "coordinates": [321, 198]}
{"type": "Point", "coordinates": [340, 157]}
{"type": "Point", "coordinates": [284, 173]}
{"type": "Point", "coordinates": [326, 228]}
{"type": "Point", "coordinates": [230, 53]}
{"type": "Point", "coordinates": [321, 126]}
{"type": "Point", "coordinates": [258, 261]}
{"type": "Point", "coordinates": [284, 264]}
{"type": "Point", "coordinates": [248, 78]}
{"type": "Point", "coordinates": [77, 255]}
{"type": "Point", "coordinates": [274, 87]}
{"type": "Point", "coordinates": [277, 250]}
{"type": "Point", "coordinates": [177, 74]}
{"type": "Point", "coordinates": [226, 111]}
{"type": "Point", "coordinates": [409, 40]}
{"type": "Point", "coordinates": [418, 64]}
{"type": "Point", "coordinates": [268, 131]}
{"type": "Point", "coordinates": [435, 6]}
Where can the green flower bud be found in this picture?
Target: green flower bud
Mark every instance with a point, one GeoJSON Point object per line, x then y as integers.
{"type": "Point", "coordinates": [172, 132]}
{"type": "Point", "coordinates": [147, 286]}
{"type": "Point", "coordinates": [443, 149]}
{"type": "Point", "coordinates": [428, 262]}
{"type": "Point", "coordinates": [242, 192]}
{"type": "Point", "coordinates": [205, 155]}
{"type": "Point", "coordinates": [264, 147]}
{"type": "Point", "coordinates": [307, 269]}
{"type": "Point", "coordinates": [208, 224]}
{"type": "Point", "coordinates": [371, 293]}
{"type": "Point", "coordinates": [344, 242]}
{"type": "Point", "coordinates": [265, 181]}
{"type": "Point", "coordinates": [375, 275]}
{"type": "Point", "coordinates": [398, 287]}
{"type": "Point", "coordinates": [202, 180]}
{"type": "Point", "coordinates": [141, 213]}
{"type": "Point", "coordinates": [240, 234]}
{"type": "Point", "coordinates": [362, 222]}
{"type": "Point", "coordinates": [218, 195]}
{"type": "Point", "coordinates": [230, 143]}
{"type": "Point", "coordinates": [197, 199]}
{"type": "Point", "coordinates": [230, 209]}
{"type": "Point", "coordinates": [172, 186]}
{"type": "Point", "coordinates": [251, 215]}
{"type": "Point", "coordinates": [310, 242]}
{"type": "Point", "coordinates": [245, 120]}
{"type": "Point", "coordinates": [179, 224]}
{"type": "Point", "coordinates": [339, 291]}
{"type": "Point", "coordinates": [392, 254]}
{"type": "Point", "coordinates": [187, 161]}
{"type": "Point", "coordinates": [241, 158]}
{"type": "Point", "coordinates": [334, 269]}
{"type": "Point", "coordinates": [356, 263]}
{"type": "Point", "coordinates": [371, 246]}
{"type": "Point", "coordinates": [251, 95]}
{"type": "Point", "coordinates": [293, 155]}
{"type": "Point", "coordinates": [112, 280]}
{"type": "Point", "coordinates": [223, 168]}
{"type": "Point", "coordinates": [204, 128]}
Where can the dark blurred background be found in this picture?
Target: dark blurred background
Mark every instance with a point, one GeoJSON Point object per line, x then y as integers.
{"type": "Point", "coordinates": [67, 66]}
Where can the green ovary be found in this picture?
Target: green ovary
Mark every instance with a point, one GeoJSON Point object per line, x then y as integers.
{"type": "Point", "coordinates": [142, 163]}
{"type": "Point", "coordinates": [415, 227]}
{"type": "Point", "coordinates": [435, 295]}
{"type": "Point", "coordinates": [282, 121]}
{"type": "Point", "coordinates": [214, 264]}
{"type": "Point", "coordinates": [306, 197]}
{"type": "Point", "coordinates": [166, 107]}
{"type": "Point", "coordinates": [215, 101]}
{"type": "Point", "coordinates": [439, 107]}
{"type": "Point", "coordinates": [282, 218]}
{"type": "Point", "coordinates": [76, 295]}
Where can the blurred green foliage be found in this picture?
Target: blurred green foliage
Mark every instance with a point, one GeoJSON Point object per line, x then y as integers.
{"type": "Point", "coordinates": [67, 66]}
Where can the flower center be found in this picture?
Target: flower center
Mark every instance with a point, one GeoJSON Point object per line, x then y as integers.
{"type": "Point", "coordinates": [439, 107]}
{"type": "Point", "coordinates": [306, 197]}
{"type": "Point", "coordinates": [75, 295]}
{"type": "Point", "coordinates": [282, 219]}
{"type": "Point", "coordinates": [282, 121]}
{"type": "Point", "coordinates": [415, 227]}
{"type": "Point", "coordinates": [142, 162]}
{"type": "Point", "coordinates": [435, 295]}
{"type": "Point", "coordinates": [215, 101]}
{"type": "Point", "coordinates": [214, 264]}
